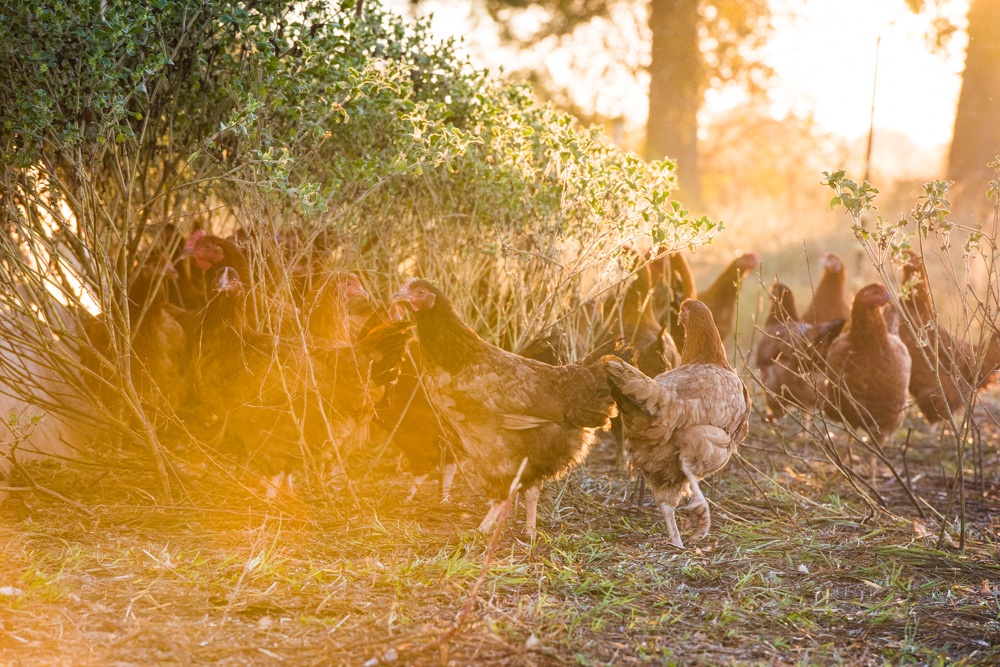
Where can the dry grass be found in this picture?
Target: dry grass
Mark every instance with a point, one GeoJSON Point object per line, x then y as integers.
{"type": "Point", "coordinates": [794, 572]}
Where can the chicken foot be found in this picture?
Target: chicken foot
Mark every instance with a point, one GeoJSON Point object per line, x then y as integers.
{"type": "Point", "coordinates": [698, 505]}
{"type": "Point", "coordinates": [273, 485]}
{"type": "Point", "coordinates": [668, 515]}
{"type": "Point", "coordinates": [415, 483]}
{"type": "Point", "coordinates": [531, 513]}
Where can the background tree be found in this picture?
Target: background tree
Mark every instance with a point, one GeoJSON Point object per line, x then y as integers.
{"type": "Point", "coordinates": [695, 45]}
{"type": "Point", "coordinates": [976, 140]}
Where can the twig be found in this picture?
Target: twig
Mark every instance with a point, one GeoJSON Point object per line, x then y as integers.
{"type": "Point", "coordinates": [474, 591]}
{"type": "Point", "coordinates": [38, 487]}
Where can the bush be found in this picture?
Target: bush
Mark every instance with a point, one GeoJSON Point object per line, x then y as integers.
{"type": "Point", "coordinates": [125, 122]}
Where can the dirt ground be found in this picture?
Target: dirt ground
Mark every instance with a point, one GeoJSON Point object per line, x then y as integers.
{"type": "Point", "coordinates": [797, 571]}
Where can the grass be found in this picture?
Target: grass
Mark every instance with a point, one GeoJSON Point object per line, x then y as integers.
{"type": "Point", "coordinates": [794, 572]}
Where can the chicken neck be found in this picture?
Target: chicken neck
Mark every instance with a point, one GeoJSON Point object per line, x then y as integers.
{"type": "Point", "coordinates": [868, 329]}
{"type": "Point", "coordinates": [702, 344]}
{"type": "Point", "coordinates": [830, 290]}
{"type": "Point", "coordinates": [728, 283]}
{"type": "Point", "coordinates": [445, 340]}
{"type": "Point", "coordinates": [918, 302]}
{"type": "Point", "coordinates": [783, 309]}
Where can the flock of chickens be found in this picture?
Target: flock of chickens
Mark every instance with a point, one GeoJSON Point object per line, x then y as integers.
{"type": "Point", "coordinates": [337, 364]}
{"type": "Point", "coordinates": [857, 362]}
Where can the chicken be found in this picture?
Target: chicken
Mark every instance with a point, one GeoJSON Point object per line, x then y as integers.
{"type": "Point", "coordinates": [869, 370]}
{"type": "Point", "coordinates": [788, 353]}
{"type": "Point", "coordinates": [424, 436]}
{"type": "Point", "coordinates": [210, 253]}
{"type": "Point", "coordinates": [673, 283]}
{"type": "Point", "coordinates": [632, 317]}
{"type": "Point", "coordinates": [342, 309]}
{"type": "Point", "coordinates": [338, 308]}
{"type": "Point", "coordinates": [159, 341]}
{"type": "Point", "coordinates": [158, 345]}
{"type": "Point", "coordinates": [267, 397]}
{"type": "Point", "coordinates": [418, 429]}
{"type": "Point", "coordinates": [989, 351]}
{"type": "Point", "coordinates": [722, 295]}
{"type": "Point", "coordinates": [504, 407]}
{"type": "Point", "coordinates": [684, 424]}
{"type": "Point", "coordinates": [936, 355]}
{"type": "Point", "coordinates": [829, 302]}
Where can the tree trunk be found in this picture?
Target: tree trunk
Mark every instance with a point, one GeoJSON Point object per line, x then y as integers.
{"type": "Point", "coordinates": [976, 140]}
{"type": "Point", "coordinates": [676, 75]}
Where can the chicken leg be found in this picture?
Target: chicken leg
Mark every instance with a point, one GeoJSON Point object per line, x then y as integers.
{"type": "Point", "coordinates": [415, 483]}
{"type": "Point", "coordinates": [273, 485]}
{"type": "Point", "coordinates": [698, 505]}
{"type": "Point", "coordinates": [666, 500]}
{"type": "Point", "coordinates": [704, 450]}
{"type": "Point", "coordinates": [531, 510]}
{"type": "Point", "coordinates": [491, 517]}
{"type": "Point", "coordinates": [447, 479]}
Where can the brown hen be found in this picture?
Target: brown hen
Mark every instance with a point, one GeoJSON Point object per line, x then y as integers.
{"type": "Point", "coordinates": [504, 407]}
{"type": "Point", "coordinates": [684, 424]}
{"type": "Point", "coordinates": [721, 296]}
{"type": "Point", "coordinates": [789, 353]}
{"type": "Point", "coordinates": [633, 317]}
{"type": "Point", "coordinates": [830, 301]}
{"type": "Point", "coordinates": [158, 345]}
{"type": "Point", "coordinates": [869, 370]}
{"type": "Point", "coordinates": [273, 396]}
{"type": "Point", "coordinates": [673, 284]}
{"type": "Point", "coordinates": [936, 355]}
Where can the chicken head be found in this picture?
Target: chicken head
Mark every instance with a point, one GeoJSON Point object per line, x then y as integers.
{"type": "Point", "coordinates": [353, 288]}
{"type": "Point", "coordinates": [832, 263]}
{"type": "Point", "coordinates": [203, 249]}
{"type": "Point", "coordinates": [874, 295]}
{"type": "Point", "coordinates": [748, 262]}
{"type": "Point", "coordinates": [783, 303]}
{"type": "Point", "coordinates": [419, 293]}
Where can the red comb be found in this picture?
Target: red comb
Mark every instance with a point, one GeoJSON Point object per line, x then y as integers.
{"type": "Point", "coordinates": [196, 236]}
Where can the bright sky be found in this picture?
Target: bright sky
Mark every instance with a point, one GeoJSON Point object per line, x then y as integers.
{"type": "Point", "coordinates": [823, 54]}
{"type": "Point", "coordinates": [825, 62]}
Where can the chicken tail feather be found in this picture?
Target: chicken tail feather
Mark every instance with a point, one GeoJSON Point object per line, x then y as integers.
{"type": "Point", "coordinates": [631, 389]}
{"type": "Point", "coordinates": [612, 348]}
